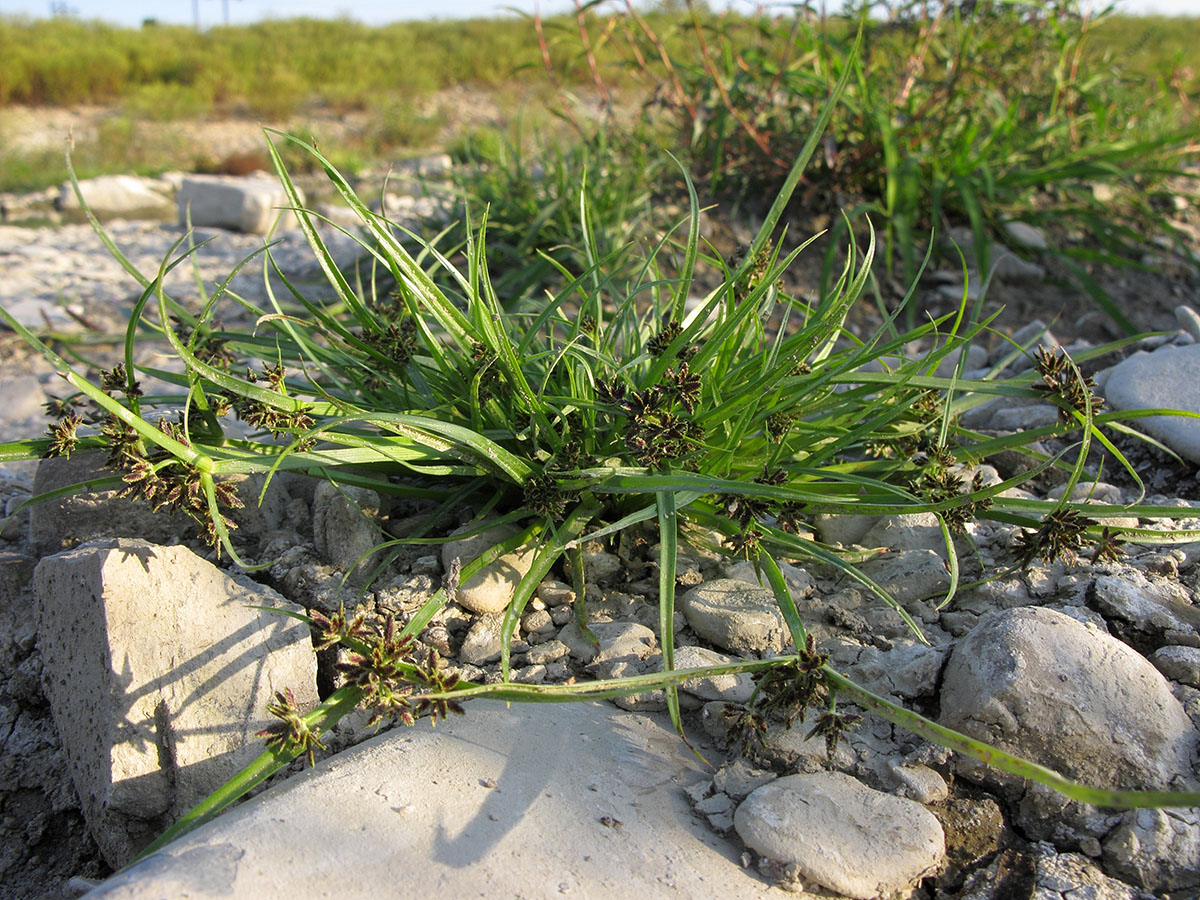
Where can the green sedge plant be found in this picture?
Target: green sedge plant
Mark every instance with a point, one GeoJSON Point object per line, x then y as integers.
{"type": "Point", "coordinates": [622, 402]}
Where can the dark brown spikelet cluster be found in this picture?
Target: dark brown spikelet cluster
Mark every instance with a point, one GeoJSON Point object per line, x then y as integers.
{"type": "Point", "coordinates": [263, 415]}
{"type": "Point", "coordinates": [1060, 535]}
{"type": "Point", "coordinates": [659, 344]}
{"type": "Point", "coordinates": [149, 473]}
{"type": "Point", "coordinates": [753, 277]}
{"type": "Point", "coordinates": [63, 439]}
{"type": "Point", "coordinates": [398, 342]}
{"type": "Point", "coordinates": [165, 482]}
{"type": "Point", "coordinates": [396, 683]}
{"type": "Point", "coordinates": [206, 346]}
{"type": "Point", "coordinates": [749, 511]}
{"type": "Point", "coordinates": [1063, 382]}
{"type": "Point", "coordinates": [785, 692]}
{"type": "Point", "coordinates": [938, 484]}
{"type": "Point", "coordinates": [660, 429]}
{"type": "Point", "coordinates": [544, 498]}
{"type": "Point", "coordinates": [292, 734]}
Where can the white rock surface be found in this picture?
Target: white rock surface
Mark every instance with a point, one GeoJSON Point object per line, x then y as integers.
{"type": "Point", "coordinates": [910, 575]}
{"type": "Point", "coordinates": [1181, 664]}
{"type": "Point", "coordinates": [252, 204]}
{"type": "Point", "coordinates": [842, 834]}
{"type": "Point", "coordinates": [1168, 378]}
{"type": "Point", "coordinates": [158, 672]}
{"type": "Point", "coordinates": [913, 531]}
{"type": "Point", "coordinates": [1158, 849]}
{"type": "Point", "coordinates": [66, 520]}
{"type": "Point", "coordinates": [491, 589]}
{"type": "Point", "coordinates": [346, 528]}
{"type": "Point", "coordinates": [125, 196]}
{"type": "Point", "coordinates": [844, 530]}
{"type": "Point", "coordinates": [574, 800]}
{"type": "Point", "coordinates": [618, 641]}
{"type": "Point", "coordinates": [1026, 235]}
{"type": "Point", "coordinates": [1043, 685]}
{"type": "Point", "coordinates": [735, 615]}
{"type": "Point", "coordinates": [733, 688]}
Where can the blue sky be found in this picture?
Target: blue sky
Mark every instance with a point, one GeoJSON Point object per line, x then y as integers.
{"type": "Point", "coordinates": [132, 12]}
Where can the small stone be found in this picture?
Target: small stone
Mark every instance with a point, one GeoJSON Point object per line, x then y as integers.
{"type": "Point", "coordinates": [735, 615]}
{"type": "Point", "coordinates": [617, 641]}
{"type": "Point", "coordinates": [909, 576]}
{"type": "Point", "coordinates": [908, 670]}
{"type": "Point", "coordinates": [738, 779]}
{"type": "Point", "coordinates": [345, 528]}
{"type": "Point", "coordinates": [1026, 235]}
{"type": "Point", "coordinates": [548, 652]}
{"type": "Point", "coordinates": [1040, 684]}
{"type": "Point", "coordinates": [534, 674]}
{"type": "Point", "coordinates": [491, 589]}
{"type": "Point", "coordinates": [645, 701]}
{"type": "Point", "coordinates": [1024, 418]}
{"type": "Point", "coordinates": [427, 565]}
{"type": "Point", "coordinates": [1168, 378]}
{"type": "Point", "coordinates": [253, 205]}
{"type": "Point", "coordinates": [698, 791]}
{"type": "Point", "coordinates": [913, 531]}
{"type": "Point", "coordinates": [841, 834]}
{"type": "Point", "coordinates": [1158, 849]}
{"type": "Point", "coordinates": [555, 593]}
{"type": "Point", "coordinates": [1189, 320]}
{"type": "Point", "coordinates": [721, 822]}
{"type": "Point", "coordinates": [843, 529]}
{"type": "Point", "coordinates": [734, 687]}
{"type": "Point", "coordinates": [922, 783]}
{"type": "Point", "coordinates": [715, 805]}
{"type": "Point", "coordinates": [482, 643]}
{"type": "Point", "coordinates": [599, 566]}
{"type": "Point", "coordinates": [537, 621]}
{"type": "Point", "coordinates": [1180, 664]}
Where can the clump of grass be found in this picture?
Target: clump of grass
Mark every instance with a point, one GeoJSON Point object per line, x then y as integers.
{"type": "Point", "coordinates": [614, 403]}
{"type": "Point", "coordinates": [533, 197]}
{"type": "Point", "coordinates": [976, 116]}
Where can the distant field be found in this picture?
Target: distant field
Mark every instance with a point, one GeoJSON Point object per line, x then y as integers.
{"type": "Point", "coordinates": [279, 70]}
{"type": "Point", "coordinates": [272, 68]}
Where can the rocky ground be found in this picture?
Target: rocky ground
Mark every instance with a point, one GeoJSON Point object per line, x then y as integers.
{"type": "Point", "coordinates": [1106, 684]}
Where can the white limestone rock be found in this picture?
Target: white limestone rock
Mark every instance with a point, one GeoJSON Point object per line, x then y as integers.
{"type": "Point", "coordinates": [532, 800]}
{"type": "Point", "coordinates": [120, 196]}
{"type": "Point", "coordinates": [1157, 849]}
{"type": "Point", "coordinates": [908, 670]}
{"type": "Point", "coordinates": [1178, 663]}
{"type": "Point", "coordinates": [1043, 685]}
{"type": "Point", "coordinates": [158, 671]}
{"type": "Point", "coordinates": [1026, 235]}
{"type": "Point", "coordinates": [910, 575]}
{"type": "Point", "coordinates": [492, 588]}
{"type": "Point", "coordinates": [346, 528]}
{"type": "Point", "coordinates": [732, 688]}
{"type": "Point", "coordinates": [618, 641]}
{"type": "Point", "coordinates": [910, 531]}
{"type": "Point", "coordinates": [67, 520]}
{"type": "Point", "coordinates": [252, 204]}
{"type": "Point", "coordinates": [842, 834]}
{"type": "Point", "coordinates": [735, 615]}
{"type": "Point", "coordinates": [844, 529]}
{"type": "Point", "coordinates": [1168, 378]}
